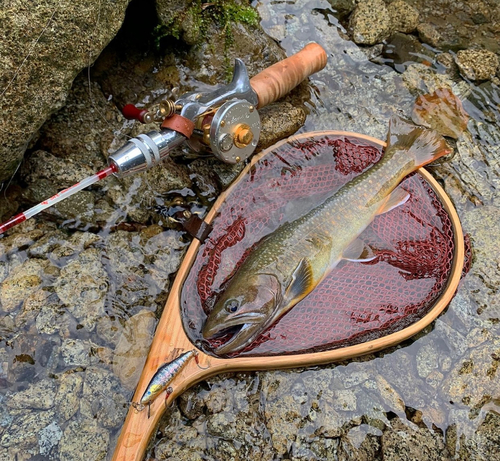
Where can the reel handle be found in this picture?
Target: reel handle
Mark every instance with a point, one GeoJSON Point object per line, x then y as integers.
{"type": "Point", "coordinates": [276, 81]}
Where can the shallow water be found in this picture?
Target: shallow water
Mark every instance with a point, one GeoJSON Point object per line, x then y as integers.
{"type": "Point", "coordinates": [70, 354]}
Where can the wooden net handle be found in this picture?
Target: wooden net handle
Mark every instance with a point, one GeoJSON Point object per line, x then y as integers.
{"type": "Point", "coordinates": [278, 80]}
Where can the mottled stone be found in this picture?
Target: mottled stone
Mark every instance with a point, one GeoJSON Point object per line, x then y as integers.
{"type": "Point", "coordinates": [22, 282]}
{"type": "Point", "coordinates": [67, 400]}
{"type": "Point", "coordinates": [83, 439]}
{"type": "Point", "coordinates": [477, 65]}
{"type": "Point", "coordinates": [428, 34]}
{"type": "Point", "coordinates": [404, 17]}
{"type": "Point", "coordinates": [43, 49]}
{"type": "Point", "coordinates": [370, 22]}
{"type": "Point", "coordinates": [63, 172]}
{"type": "Point", "coordinates": [132, 347]}
{"type": "Point", "coordinates": [45, 245]}
{"type": "Point", "coordinates": [109, 329]}
{"type": "Point", "coordinates": [472, 381]}
{"type": "Point", "coordinates": [24, 428]}
{"type": "Point", "coordinates": [49, 437]}
{"type": "Point", "coordinates": [82, 287]}
{"type": "Point", "coordinates": [278, 121]}
{"type": "Point", "coordinates": [76, 352]}
{"type": "Point", "coordinates": [102, 398]}
{"type": "Point", "coordinates": [407, 442]}
{"type": "Point", "coordinates": [342, 7]}
{"type": "Point", "coordinates": [427, 359]}
{"type": "Point", "coordinates": [39, 396]}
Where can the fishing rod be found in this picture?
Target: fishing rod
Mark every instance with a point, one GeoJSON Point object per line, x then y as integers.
{"type": "Point", "coordinates": [224, 122]}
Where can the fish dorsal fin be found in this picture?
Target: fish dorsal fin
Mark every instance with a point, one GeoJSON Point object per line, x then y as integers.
{"type": "Point", "coordinates": [358, 251]}
{"type": "Point", "coordinates": [302, 282]}
{"type": "Point", "coordinates": [397, 198]}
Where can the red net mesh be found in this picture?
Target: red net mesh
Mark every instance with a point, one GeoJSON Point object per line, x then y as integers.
{"type": "Point", "coordinates": [356, 302]}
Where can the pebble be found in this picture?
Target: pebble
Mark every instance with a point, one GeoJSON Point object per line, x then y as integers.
{"type": "Point", "coordinates": [38, 396]}
{"type": "Point", "coordinates": [67, 400]}
{"type": "Point", "coordinates": [427, 359]}
{"type": "Point", "coordinates": [22, 282]}
{"type": "Point", "coordinates": [49, 437]}
{"type": "Point", "coordinates": [82, 287]}
{"type": "Point", "coordinates": [477, 65]}
{"type": "Point", "coordinates": [370, 22]}
{"type": "Point", "coordinates": [84, 439]}
{"type": "Point", "coordinates": [404, 17]}
{"type": "Point", "coordinates": [132, 347]}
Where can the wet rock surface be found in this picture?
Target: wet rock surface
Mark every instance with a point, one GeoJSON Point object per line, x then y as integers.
{"type": "Point", "coordinates": [75, 286]}
{"type": "Point", "coordinates": [44, 49]}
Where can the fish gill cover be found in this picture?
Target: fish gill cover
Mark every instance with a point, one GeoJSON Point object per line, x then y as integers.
{"type": "Point", "coordinates": [357, 302]}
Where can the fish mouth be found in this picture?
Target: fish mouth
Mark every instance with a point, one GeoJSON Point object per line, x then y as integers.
{"type": "Point", "coordinates": [240, 332]}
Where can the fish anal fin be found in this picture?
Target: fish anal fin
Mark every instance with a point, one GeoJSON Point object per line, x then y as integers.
{"type": "Point", "coordinates": [358, 251]}
{"type": "Point", "coordinates": [397, 198]}
{"type": "Point", "coordinates": [302, 282]}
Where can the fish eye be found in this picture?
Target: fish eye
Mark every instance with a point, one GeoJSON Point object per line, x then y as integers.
{"type": "Point", "coordinates": [232, 305]}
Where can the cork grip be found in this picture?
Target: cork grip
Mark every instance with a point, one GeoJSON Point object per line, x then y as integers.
{"type": "Point", "coordinates": [276, 81]}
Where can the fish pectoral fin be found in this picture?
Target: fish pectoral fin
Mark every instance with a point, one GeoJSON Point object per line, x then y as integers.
{"type": "Point", "coordinates": [301, 284]}
{"type": "Point", "coordinates": [358, 251]}
{"type": "Point", "coordinates": [397, 198]}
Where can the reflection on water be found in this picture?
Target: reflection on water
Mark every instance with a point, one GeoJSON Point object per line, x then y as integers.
{"type": "Point", "coordinates": [73, 304]}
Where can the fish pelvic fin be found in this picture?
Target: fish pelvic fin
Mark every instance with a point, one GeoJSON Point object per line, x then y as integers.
{"type": "Point", "coordinates": [423, 144]}
{"type": "Point", "coordinates": [398, 197]}
{"type": "Point", "coordinates": [301, 284]}
{"type": "Point", "coordinates": [358, 251]}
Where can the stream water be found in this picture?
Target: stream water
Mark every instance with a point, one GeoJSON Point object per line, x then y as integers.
{"type": "Point", "coordinates": [79, 306]}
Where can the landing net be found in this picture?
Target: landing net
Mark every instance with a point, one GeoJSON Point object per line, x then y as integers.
{"type": "Point", "coordinates": [357, 302]}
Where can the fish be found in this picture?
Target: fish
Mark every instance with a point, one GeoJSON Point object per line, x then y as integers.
{"type": "Point", "coordinates": [285, 266]}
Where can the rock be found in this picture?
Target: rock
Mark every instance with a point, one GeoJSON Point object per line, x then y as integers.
{"type": "Point", "coordinates": [38, 396]}
{"type": "Point", "coordinates": [402, 49]}
{"type": "Point", "coordinates": [24, 429]}
{"type": "Point", "coordinates": [67, 400]}
{"type": "Point", "coordinates": [404, 17]}
{"type": "Point", "coordinates": [132, 348]}
{"type": "Point", "coordinates": [59, 171]}
{"type": "Point", "coordinates": [278, 121]}
{"type": "Point", "coordinates": [407, 442]}
{"type": "Point", "coordinates": [109, 329]}
{"type": "Point", "coordinates": [370, 22]}
{"type": "Point", "coordinates": [78, 136]}
{"type": "Point", "coordinates": [342, 7]}
{"type": "Point", "coordinates": [484, 442]}
{"type": "Point", "coordinates": [79, 207]}
{"type": "Point", "coordinates": [477, 65]}
{"type": "Point", "coordinates": [48, 243]}
{"type": "Point", "coordinates": [388, 395]}
{"type": "Point", "coordinates": [48, 438]}
{"type": "Point", "coordinates": [84, 439]}
{"type": "Point", "coordinates": [22, 282]}
{"type": "Point", "coordinates": [41, 61]}
{"type": "Point", "coordinates": [76, 352]}
{"type": "Point", "coordinates": [82, 287]}
{"type": "Point", "coordinates": [427, 359]}
{"type": "Point", "coordinates": [471, 381]}
{"type": "Point", "coordinates": [428, 34]}
{"type": "Point", "coordinates": [102, 399]}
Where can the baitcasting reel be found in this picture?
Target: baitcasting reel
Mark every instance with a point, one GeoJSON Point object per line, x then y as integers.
{"type": "Point", "coordinates": [224, 122]}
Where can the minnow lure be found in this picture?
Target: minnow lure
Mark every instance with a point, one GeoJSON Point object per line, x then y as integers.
{"type": "Point", "coordinates": [163, 377]}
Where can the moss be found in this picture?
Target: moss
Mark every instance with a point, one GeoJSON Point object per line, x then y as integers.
{"type": "Point", "coordinates": [193, 24]}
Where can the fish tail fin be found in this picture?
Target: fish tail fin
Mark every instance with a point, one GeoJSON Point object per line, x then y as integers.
{"type": "Point", "coordinates": [423, 144]}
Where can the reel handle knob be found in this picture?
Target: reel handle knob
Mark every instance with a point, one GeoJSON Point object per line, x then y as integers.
{"type": "Point", "coordinates": [131, 112]}
{"type": "Point", "coordinates": [278, 80]}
